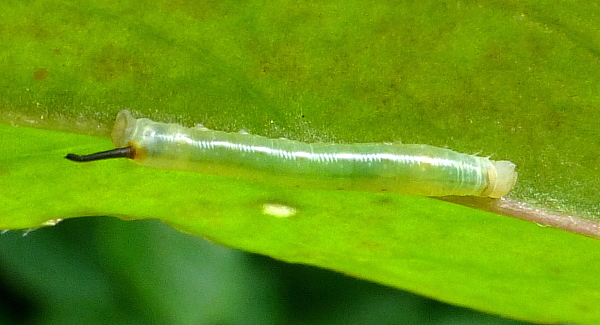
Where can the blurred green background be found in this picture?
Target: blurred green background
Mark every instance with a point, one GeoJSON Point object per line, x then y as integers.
{"type": "Point", "coordinates": [107, 271]}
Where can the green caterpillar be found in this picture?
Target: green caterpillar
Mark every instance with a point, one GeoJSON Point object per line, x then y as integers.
{"type": "Point", "coordinates": [413, 169]}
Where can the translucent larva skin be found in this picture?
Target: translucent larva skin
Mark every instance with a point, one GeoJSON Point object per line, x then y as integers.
{"type": "Point", "coordinates": [375, 167]}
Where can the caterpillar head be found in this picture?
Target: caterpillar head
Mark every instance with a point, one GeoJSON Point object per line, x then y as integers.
{"type": "Point", "coordinates": [504, 179]}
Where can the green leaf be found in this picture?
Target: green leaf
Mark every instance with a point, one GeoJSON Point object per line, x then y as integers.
{"type": "Point", "coordinates": [517, 81]}
{"type": "Point", "coordinates": [438, 249]}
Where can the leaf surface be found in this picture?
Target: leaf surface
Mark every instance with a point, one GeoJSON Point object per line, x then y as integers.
{"type": "Point", "coordinates": [515, 80]}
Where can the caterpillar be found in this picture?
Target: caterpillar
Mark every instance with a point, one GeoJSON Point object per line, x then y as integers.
{"type": "Point", "coordinates": [413, 169]}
